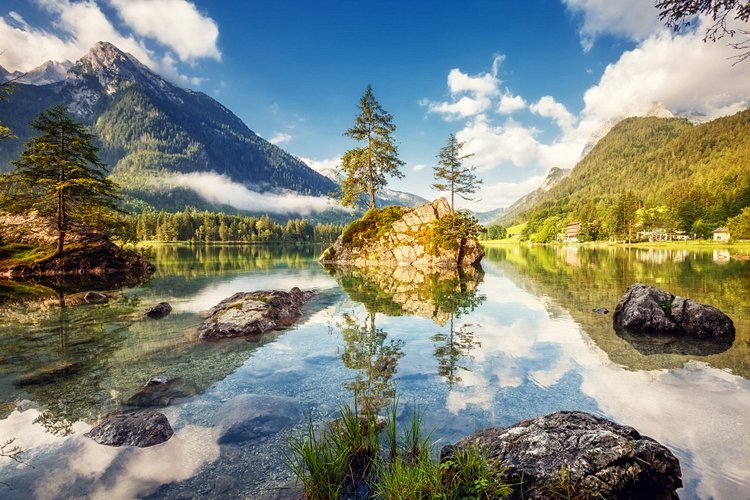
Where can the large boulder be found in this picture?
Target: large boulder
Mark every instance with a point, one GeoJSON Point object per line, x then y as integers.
{"type": "Point", "coordinates": [650, 311]}
{"type": "Point", "coordinates": [585, 455]}
{"type": "Point", "coordinates": [158, 311]}
{"type": "Point", "coordinates": [254, 313]}
{"type": "Point", "coordinates": [140, 429]}
{"type": "Point", "coordinates": [252, 416]}
{"type": "Point", "coordinates": [398, 236]}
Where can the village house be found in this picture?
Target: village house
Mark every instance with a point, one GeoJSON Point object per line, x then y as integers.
{"type": "Point", "coordinates": [721, 234]}
{"type": "Point", "coordinates": [571, 233]}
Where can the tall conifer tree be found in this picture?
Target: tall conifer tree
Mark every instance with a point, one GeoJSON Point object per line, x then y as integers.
{"type": "Point", "coordinates": [365, 168]}
{"type": "Point", "coordinates": [451, 175]}
{"type": "Point", "coordinates": [59, 176]}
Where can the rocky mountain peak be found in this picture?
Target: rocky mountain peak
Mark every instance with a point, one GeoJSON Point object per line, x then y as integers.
{"type": "Point", "coordinates": [114, 68]}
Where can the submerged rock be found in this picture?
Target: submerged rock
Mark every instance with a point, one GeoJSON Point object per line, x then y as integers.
{"type": "Point", "coordinates": [647, 310]}
{"type": "Point", "coordinates": [254, 313]}
{"type": "Point", "coordinates": [594, 456]}
{"type": "Point", "coordinates": [161, 391]}
{"type": "Point", "coordinates": [158, 311]}
{"type": "Point", "coordinates": [601, 310]}
{"type": "Point", "coordinates": [397, 236]}
{"type": "Point", "coordinates": [252, 416]}
{"type": "Point", "coordinates": [140, 429]}
{"type": "Point", "coordinates": [95, 298]}
{"type": "Point", "coordinates": [50, 374]}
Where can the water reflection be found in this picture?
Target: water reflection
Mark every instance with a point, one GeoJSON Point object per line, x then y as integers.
{"type": "Point", "coordinates": [368, 350]}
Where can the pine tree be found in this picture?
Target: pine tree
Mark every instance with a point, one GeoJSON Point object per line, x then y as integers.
{"type": "Point", "coordinates": [59, 176]}
{"type": "Point", "coordinates": [451, 175]}
{"type": "Point", "coordinates": [366, 167]}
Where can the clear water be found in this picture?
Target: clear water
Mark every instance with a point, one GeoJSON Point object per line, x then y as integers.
{"type": "Point", "coordinates": [483, 349]}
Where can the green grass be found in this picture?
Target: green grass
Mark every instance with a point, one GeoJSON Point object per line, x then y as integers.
{"type": "Point", "coordinates": [17, 254]}
{"type": "Point", "coordinates": [353, 456]}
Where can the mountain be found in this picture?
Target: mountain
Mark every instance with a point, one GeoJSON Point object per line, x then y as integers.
{"type": "Point", "coordinates": [489, 217]}
{"type": "Point", "coordinates": [151, 131]}
{"type": "Point", "coordinates": [658, 110]}
{"type": "Point", "coordinates": [46, 73]}
{"type": "Point", "coordinates": [684, 176]}
{"type": "Point", "coordinates": [527, 201]}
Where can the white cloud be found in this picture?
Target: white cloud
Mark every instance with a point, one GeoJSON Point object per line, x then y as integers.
{"type": "Point", "coordinates": [419, 167]}
{"type": "Point", "coordinates": [217, 188]}
{"type": "Point", "coordinates": [79, 26]}
{"type": "Point", "coordinates": [685, 74]}
{"type": "Point", "coordinates": [329, 167]}
{"type": "Point", "coordinates": [280, 138]}
{"type": "Point", "coordinates": [470, 94]}
{"type": "Point", "coordinates": [176, 24]}
{"type": "Point", "coordinates": [633, 19]}
{"type": "Point", "coordinates": [548, 107]}
{"type": "Point", "coordinates": [502, 194]}
{"type": "Point", "coordinates": [510, 103]}
{"type": "Point", "coordinates": [493, 145]}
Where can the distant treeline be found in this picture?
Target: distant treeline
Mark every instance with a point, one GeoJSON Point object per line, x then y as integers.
{"type": "Point", "coordinates": [208, 227]}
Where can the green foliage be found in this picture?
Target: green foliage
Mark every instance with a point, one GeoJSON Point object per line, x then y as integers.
{"type": "Point", "coordinates": [60, 177]}
{"type": "Point", "coordinates": [495, 232]}
{"type": "Point", "coordinates": [451, 175]}
{"type": "Point", "coordinates": [6, 89]}
{"type": "Point", "coordinates": [347, 456]}
{"type": "Point", "coordinates": [375, 223]}
{"type": "Point", "coordinates": [451, 231]}
{"type": "Point", "coordinates": [365, 168]}
{"type": "Point", "coordinates": [739, 226]}
{"type": "Point", "coordinates": [678, 177]}
{"type": "Point", "coordinates": [214, 227]}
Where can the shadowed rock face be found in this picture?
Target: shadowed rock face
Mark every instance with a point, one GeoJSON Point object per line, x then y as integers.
{"type": "Point", "coordinates": [141, 429]}
{"type": "Point", "coordinates": [603, 459]}
{"type": "Point", "coordinates": [656, 321]}
{"type": "Point", "coordinates": [254, 313]}
{"type": "Point", "coordinates": [406, 243]}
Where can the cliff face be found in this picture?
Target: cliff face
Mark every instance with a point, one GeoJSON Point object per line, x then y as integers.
{"type": "Point", "coordinates": [396, 236]}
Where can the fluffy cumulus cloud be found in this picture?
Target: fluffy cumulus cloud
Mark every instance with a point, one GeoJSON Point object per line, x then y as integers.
{"type": "Point", "coordinates": [493, 145]}
{"type": "Point", "coordinates": [510, 103]}
{"type": "Point", "coordinates": [190, 34]}
{"type": "Point", "coordinates": [633, 19]}
{"type": "Point", "coordinates": [76, 26]}
{"type": "Point", "coordinates": [217, 188]}
{"type": "Point", "coordinates": [548, 107]}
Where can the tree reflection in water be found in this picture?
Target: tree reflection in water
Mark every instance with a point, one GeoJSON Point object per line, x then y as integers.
{"type": "Point", "coordinates": [368, 350]}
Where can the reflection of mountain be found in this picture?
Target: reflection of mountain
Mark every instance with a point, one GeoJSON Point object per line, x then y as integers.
{"type": "Point", "coordinates": [404, 290]}
{"type": "Point", "coordinates": [600, 276]}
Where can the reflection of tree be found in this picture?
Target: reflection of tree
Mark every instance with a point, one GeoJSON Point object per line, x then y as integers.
{"type": "Point", "coordinates": [451, 349]}
{"type": "Point", "coordinates": [367, 349]}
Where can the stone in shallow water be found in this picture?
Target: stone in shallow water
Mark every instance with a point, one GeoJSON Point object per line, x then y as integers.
{"type": "Point", "coordinates": [140, 429]}
{"type": "Point", "coordinates": [603, 459]}
{"type": "Point", "coordinates": [158, 311]}
{"type": "Point", "coordinates": [254, 313]}
{"type": "Point", "coordinates": [161, 391]}
{"type": "Point", "coordinates": [252, 416]}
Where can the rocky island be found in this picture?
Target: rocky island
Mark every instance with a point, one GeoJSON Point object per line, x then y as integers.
{"type": "Point", "coordinates": [427, 236]}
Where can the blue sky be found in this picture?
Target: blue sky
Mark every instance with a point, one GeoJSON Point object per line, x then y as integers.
{"type": "Point", "coordinates": [523, 83]}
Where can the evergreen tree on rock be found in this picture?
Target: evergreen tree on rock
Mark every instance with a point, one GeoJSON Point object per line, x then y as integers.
{"type": "Point", "coordinates": [451, 175]}
{"type": "Point", "coordinates": [60, 177]}
{"type": "Point", "coordinates": [365, 168]}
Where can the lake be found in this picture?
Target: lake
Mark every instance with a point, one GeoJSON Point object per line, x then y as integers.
{"type": "Point", "coordinates": [485, 348]}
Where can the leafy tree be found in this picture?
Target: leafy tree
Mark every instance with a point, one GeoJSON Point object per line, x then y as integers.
{"type": "Point", "coordinates": [59, 176]}
{"type": "Point", "coordinates": [451, 175]}
{"type": "Point", "coordinates": [739, 226]}
{"type": "Point", "coordinates": [366, 167]}
{"type": "Point", "coordinates": [6, 88]}
{"type": "Point", "coordinates": [678, 14]}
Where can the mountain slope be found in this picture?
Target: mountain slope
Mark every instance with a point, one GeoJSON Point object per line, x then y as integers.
{"type": "Point", "coordinates": [699, 174]}
{"type": "Point", "coordinates": [527, 201]}
{"type": "Point", "coordinates": [151, 130]}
